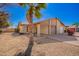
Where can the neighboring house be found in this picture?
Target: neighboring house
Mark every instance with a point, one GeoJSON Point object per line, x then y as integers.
{"type": "Point", "coordinates": [8, 29]}
{"type": "Point", "coordinates": [50, 26]}
{"type": "Point", "coordinates": [22, 28]}
{"type": "Point", "coordinates": [76, 28]}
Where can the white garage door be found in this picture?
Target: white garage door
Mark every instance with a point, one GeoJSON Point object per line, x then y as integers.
{"type": "Point", "coordinates": [53, 30]}
{"type": "Point", "coordinates": [61, 30]}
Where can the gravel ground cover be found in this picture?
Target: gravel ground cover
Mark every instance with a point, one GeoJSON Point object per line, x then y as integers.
{"type": "Point", "coordinates": [12, 43]}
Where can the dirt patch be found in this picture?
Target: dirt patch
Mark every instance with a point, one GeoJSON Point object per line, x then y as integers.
{"type": "Point", "coordinates": [11, 45]}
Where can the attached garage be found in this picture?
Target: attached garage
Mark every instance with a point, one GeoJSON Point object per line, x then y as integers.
{"type": "Point", "coordinates": [51, 26]}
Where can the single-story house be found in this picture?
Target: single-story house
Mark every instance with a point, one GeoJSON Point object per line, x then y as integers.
{"type": "Point", "coordinates": [50, 26]}
{"type": "Point", "coordinates": [8, 29]}
{"type": "Point", "coordinates": [22, 28]}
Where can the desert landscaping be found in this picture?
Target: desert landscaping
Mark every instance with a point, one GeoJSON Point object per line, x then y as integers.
{"type": "Point", "coordinates": [12, 44]}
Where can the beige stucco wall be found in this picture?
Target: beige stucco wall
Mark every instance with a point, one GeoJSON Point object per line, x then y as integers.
{"type": "Point", "coordinates": [20, 27]}
{"type": "Point", "coordinates": [51, 26]}
{"type": "Point", "coordinates": [44, 27]}
{"type": "Point", "coordinates": [38, 29]}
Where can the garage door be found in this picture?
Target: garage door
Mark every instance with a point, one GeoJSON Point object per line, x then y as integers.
{"type": "Point", "coordinates": [61, 30]}
{"type": "Point", "coordinates": [53, 30]}
{"type": "Point", "coordinates": [77, 29]}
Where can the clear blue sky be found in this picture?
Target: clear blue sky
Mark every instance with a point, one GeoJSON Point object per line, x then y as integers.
{"type": "Point", "coordinates": [68, 13]}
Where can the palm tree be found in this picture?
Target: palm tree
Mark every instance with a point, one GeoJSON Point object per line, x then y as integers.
{"type": "Point", "coordinates": [76, 23]}
{"type": "Point", "coordinates": [34, 10]}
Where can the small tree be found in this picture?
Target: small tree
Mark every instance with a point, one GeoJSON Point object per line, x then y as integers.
{"type": "Point", "coordinates": [4, 20]}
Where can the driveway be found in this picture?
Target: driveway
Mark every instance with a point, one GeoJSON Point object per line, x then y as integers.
{"type": "Point", "coordinates": [56, 45]}
{"type": "Point", "coordinates": [63, 37]}
{"type": "Point", "coordinates": [75, 42]}
{"type": "Point", "coordinates": [55, 38]}
{"type": "Point", "coordinates": [59, 38]}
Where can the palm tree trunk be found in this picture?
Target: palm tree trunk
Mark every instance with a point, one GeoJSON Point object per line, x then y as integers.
{"type": "Point", "coordinates": [31, 35]}
{"type": "Point", "coordinates": [29, 18]}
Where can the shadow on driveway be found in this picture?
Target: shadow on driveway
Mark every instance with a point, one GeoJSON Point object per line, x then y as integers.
{"type": "Point", "coordinates": [27, 51]}
{"type": "Point", "coordinates": [54, 38]}
{"type": "Point", "coordinates": [15, 34]}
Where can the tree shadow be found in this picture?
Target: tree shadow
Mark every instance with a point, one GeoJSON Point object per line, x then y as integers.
{"type": "Point", "coordinates": [28, 51]}
{"type": "Point", "coordinates": [43, 39]}
{"type": "Point", "coordinates": [15, 34]}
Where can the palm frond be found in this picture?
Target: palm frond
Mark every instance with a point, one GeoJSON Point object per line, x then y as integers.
{"type": "Point", "coordinates": [34, 9]}
{"type": "Point", "coordinates": [37, 14]}
{"type": "Point", "coordinates": [30, 11]}
{"type": "Point", "coordinates": [22, 4]}
{"type": "Point", "coordinates": [41, 5]}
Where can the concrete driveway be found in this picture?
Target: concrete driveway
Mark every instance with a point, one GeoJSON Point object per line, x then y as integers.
{"type": "Point", "coordinates": [63, 37]}
{"type": "Point", "coordinates": [59, 38]}
{"type": "Point", "coordinates": [75, 42]}
{"type": "Point", "coordinates": [56, 45]}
